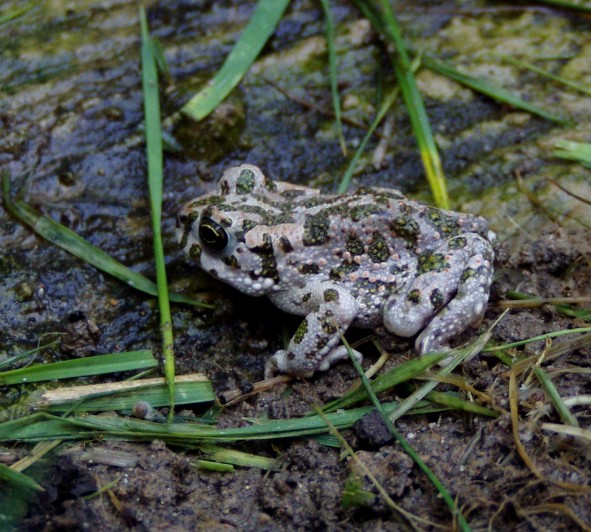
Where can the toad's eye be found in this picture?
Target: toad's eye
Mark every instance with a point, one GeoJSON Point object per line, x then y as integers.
{"type": "Point", "coordinates": [213, 235]}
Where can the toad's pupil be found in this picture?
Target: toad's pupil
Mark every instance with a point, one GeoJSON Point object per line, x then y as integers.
{"type": "Point", "coordinates": [212, 234]}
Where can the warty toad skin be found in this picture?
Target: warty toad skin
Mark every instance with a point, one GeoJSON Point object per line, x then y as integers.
{"type": "Point", "coordinates": [363, 259]}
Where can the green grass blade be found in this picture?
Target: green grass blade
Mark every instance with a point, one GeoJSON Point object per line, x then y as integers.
{"type": "Point", "coordinates": [547, 74]}
{"type": "Point", "coordinates": [153, 132]}
{"type": "Point", "coordinates": [80, 367]}
{"type": "Point", "coordinates": [574, 151]}
{"type": "Point", "coordinates": [72, 243]}
{"type": "Point", "coordinates": [403, 373]}
{"type": "Point", "coordinates": [10, 361]}
{"type": "Point", "coordinates": [39, 427]}
{"type": "Point", "coordinates": [261, 25]}
{"type": "Point", "coordinates": [346, 180]}
{"type": "Point", "coordinates": [459, 355]}
{"type": "Point", "coordinates": [416, 108]}
{"type": "Point", "coordinates": [385, 23]}
{"type": "Point", "coordinates": [17, 480]}
{"type": "Point", "coordinates": [497, 93]}
{"type": "Point", "coordinates": [452, 401]}
{"type": "Point", "coordinates": [567, 5]}
{"type": "Point", "coordinates": [239, 458]}
{"type": "Point", "coordinates": [332, 61]}
{"type": "Point", "coordinates": [557, 401]}
{"type": "Point", "coordinates": [11, 15]}
{"type": "Point", "coordinates": [217, 467]}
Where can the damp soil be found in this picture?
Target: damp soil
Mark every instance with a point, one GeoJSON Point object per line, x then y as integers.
{"type": "Point", "coordinates": [71, 112]}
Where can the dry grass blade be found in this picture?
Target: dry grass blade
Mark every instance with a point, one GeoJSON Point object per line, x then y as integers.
{"type": "Point", "coordinates": [40, 450]}
{"type": "Point", "coordinates": [578, 400]}
{"type": "Point", "coordinates": [189, 389]}
{"type": "Point", "coordinates": [557, 507]}
{"type": "Point", "coordinates": [461, 383]}
{"type": "Point", "coordinates": [554, 334]}
{"type": "Point", "coordinates": [541, 301]}
{"type": "Point", "coordinates": [567, 430]}
{"type": "Point", "coordinates": [571, 194]}
{"type": "Point", "coordinates": [514, 407]}
{"type": "Point", "coordinates": [232, 397]}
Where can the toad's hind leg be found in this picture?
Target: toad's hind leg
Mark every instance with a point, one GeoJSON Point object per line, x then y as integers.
{"type": "Point", "coordinates": [449, 293]}
{"type": "Point", "coordinates": [468, 305]}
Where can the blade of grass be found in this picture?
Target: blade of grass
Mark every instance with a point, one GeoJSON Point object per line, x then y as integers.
{"type": "Point", "coordinates": [42, 426]}
{"type": "Point", "coordinates": [189, 389]}
{"type": "Point", "coordinates": [559, 303]}
{"type": "Point", "coordinates": [404, 372]}
{"type": "Point", "coordinates": [552, 392]}
{"type": "Point", "coordinates": [497, 93]}
{"type": "Point", "coordinates": [80, 367]}
{"type": "Point", "coordinates": [476, 84]}
{"type": "Point", "coordinates": [566, 430]}
{"type": "Point", "coordinates": [452, 402]}
{"type": "Point", "coordinates": [574, 151]}
{"type": "Point", "coordinates": [16, 13]}
{"type": "Point", "coordinates": [554, 334]}
{"type": "Point", "coordinates": [570, 192]}
{"type": "Point", "coordinates": [514, 408]}
{"type": "Point", "coordinates": [332, 61]}
{"type": "Point", "coordinates": [407, 448]}
{"type": "Point", "coordinates": [30, 353]}
{"type": "Point", "coordinates": [459, 356]}
{"type": "Point", "coordinates": [414, 104]}
{"type": "Point", "coordinates": [218, 467]}
{"type": "Point", "coordinates": [239, 458]}
{"type": "Point", "coordinates": [155, 177]}
{"type": "Point", "coordinates": [38, 452]}
{"type": "Point", "coordinates": [547, 74]}
{"type": "Point", "coordinates": [18, 480]}
{"type": "Point", "coordinates": [567, 5]}
{"type": "Point", "coordinates": [385, 107]}
{"type": "Point", "coordinates": [261, 25]}
{"type": "Point", "coordinates": [72, 243]}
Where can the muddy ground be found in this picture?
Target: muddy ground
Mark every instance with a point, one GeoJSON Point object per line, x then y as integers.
{"type": "Point", "coordinates": [70, 110]}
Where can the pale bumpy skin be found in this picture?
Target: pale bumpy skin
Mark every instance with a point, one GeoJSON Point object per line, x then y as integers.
{"type": "Point", "coordinates": [364, 259]}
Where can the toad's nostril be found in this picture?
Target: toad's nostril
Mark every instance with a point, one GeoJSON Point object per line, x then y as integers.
{"type": "Point", "coordinates": [181, 219]}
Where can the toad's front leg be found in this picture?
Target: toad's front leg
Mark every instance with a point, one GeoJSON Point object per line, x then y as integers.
{"type": "Point", "coordinates": [329, 310]}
